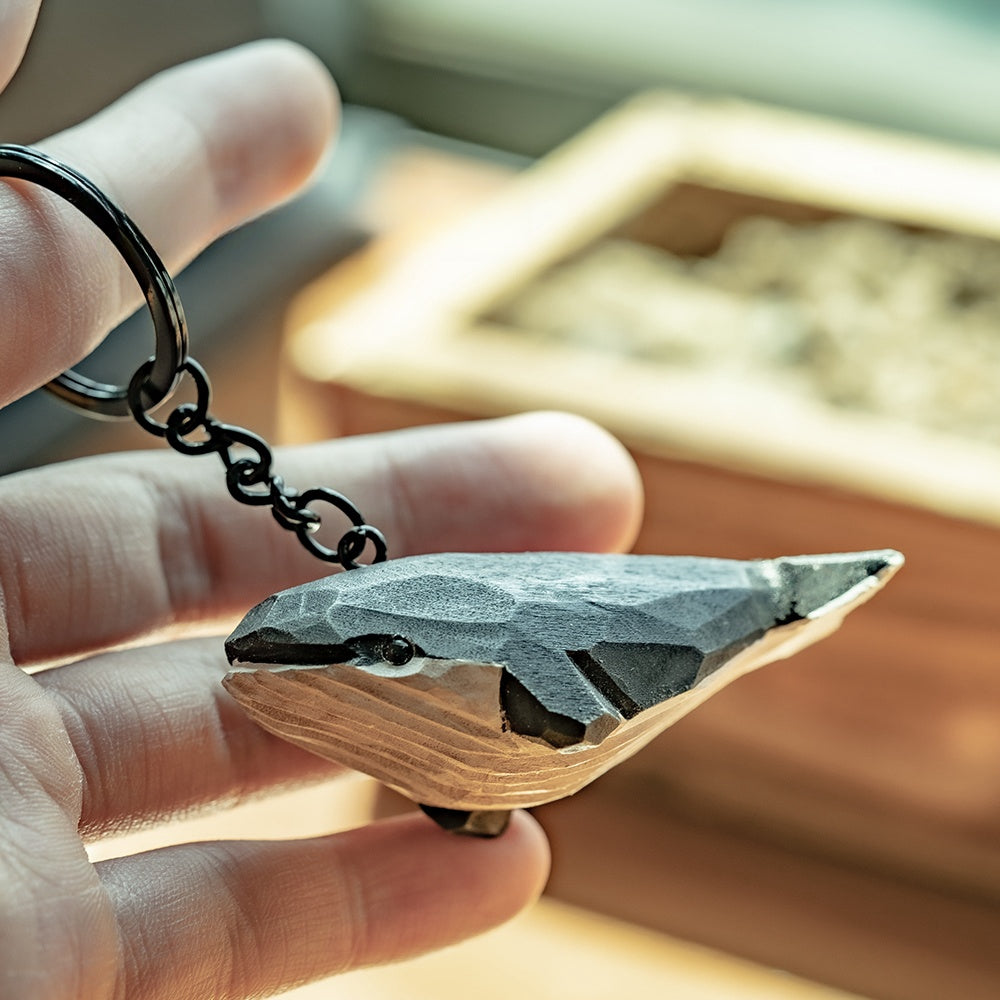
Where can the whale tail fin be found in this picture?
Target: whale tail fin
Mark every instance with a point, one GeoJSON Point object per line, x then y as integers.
{"type": "Point", "coordinates": [813, 586]}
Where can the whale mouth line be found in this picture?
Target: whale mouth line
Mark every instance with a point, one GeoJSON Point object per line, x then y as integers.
{"type": "Point", "coordinates": [287, 653]}
{"type": "Point", "coordinates": [342, 655]}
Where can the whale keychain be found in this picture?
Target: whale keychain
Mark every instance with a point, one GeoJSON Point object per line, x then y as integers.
{"type": "Point", "coordinates": [472, 683]}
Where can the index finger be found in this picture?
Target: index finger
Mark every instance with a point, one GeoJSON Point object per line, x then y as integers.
{"type": "Point", "coordinates": [105, 551]}
{"type": "Point", "coordinates": [188, 155]}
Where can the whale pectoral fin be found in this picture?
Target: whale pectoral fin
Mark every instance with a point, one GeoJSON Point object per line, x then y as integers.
{"type": "Point", "coordinates": [525, 715]}
{"type": "Point", "coordinates": [544, 696]}
{"type": "Point", "coordinates": [634, 676]}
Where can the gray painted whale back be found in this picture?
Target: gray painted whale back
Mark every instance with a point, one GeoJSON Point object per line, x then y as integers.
{"type": "Point", "coordinates": [583, 635]}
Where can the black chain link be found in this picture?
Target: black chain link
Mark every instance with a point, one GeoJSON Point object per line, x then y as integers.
{"type": "Point", "coordinates": [249, 477]}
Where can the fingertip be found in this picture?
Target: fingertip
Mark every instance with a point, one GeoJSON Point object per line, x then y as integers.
{"type": "Point", "coordinates": [314, 100]}
{"type": "Point", "coordinates": [532, 843]}
{"type": "Point", "coordinates": [542, 481]}
{"type": "Point", "coordinates": [594, 486]}
{"type": "Point", "coordinates": [510, 874]}
{"type": "Point", "coordinates": [259, 119]}
{"type": "Point", "coordinates": [445, 887]}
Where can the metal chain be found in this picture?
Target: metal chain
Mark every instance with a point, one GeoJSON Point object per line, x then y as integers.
{"type": "Point", "coordinates": [249, 476]}
{"type": "Point", "coordinates": [246, 456]}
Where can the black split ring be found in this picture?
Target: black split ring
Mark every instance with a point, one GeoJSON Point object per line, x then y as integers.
{"type": "Point", "coordinates": [99, 398]}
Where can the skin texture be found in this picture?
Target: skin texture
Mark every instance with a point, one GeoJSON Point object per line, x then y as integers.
{"type": "Point", "coordinates": [139, 549]}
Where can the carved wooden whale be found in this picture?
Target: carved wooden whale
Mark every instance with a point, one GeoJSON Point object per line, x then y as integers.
{"type": "Point", "coordinates": [481, 682]}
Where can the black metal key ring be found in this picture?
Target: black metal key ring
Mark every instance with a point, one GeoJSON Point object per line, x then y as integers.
{"type": "Point", "coordinates": [100, 398]}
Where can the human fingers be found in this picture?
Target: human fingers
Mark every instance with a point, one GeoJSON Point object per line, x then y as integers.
{"type": "Point", "coordinates": [156, 736]}
{"type": "Point", "coordinates": [188, 155]}
{"type": "Point", "coordinates": [231, 920]}
{"type": "Point", "coordinates": [104, 551]}
{"type": "Point", "coordinates": [17, 19]}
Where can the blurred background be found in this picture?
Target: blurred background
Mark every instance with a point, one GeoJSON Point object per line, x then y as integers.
{"type": "Point", "coordinates": [789, 310]}
{"type": "Point", "coordinates": [505, 83]}
{"type": "Point", "coordinates": [529, 75]}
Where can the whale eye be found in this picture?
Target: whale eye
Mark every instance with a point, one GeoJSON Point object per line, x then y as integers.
{"type": "Point", "coordinates": [397, 650]}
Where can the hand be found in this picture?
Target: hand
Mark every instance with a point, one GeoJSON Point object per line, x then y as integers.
{"type": "Point", "coordinates": [128, 550]}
